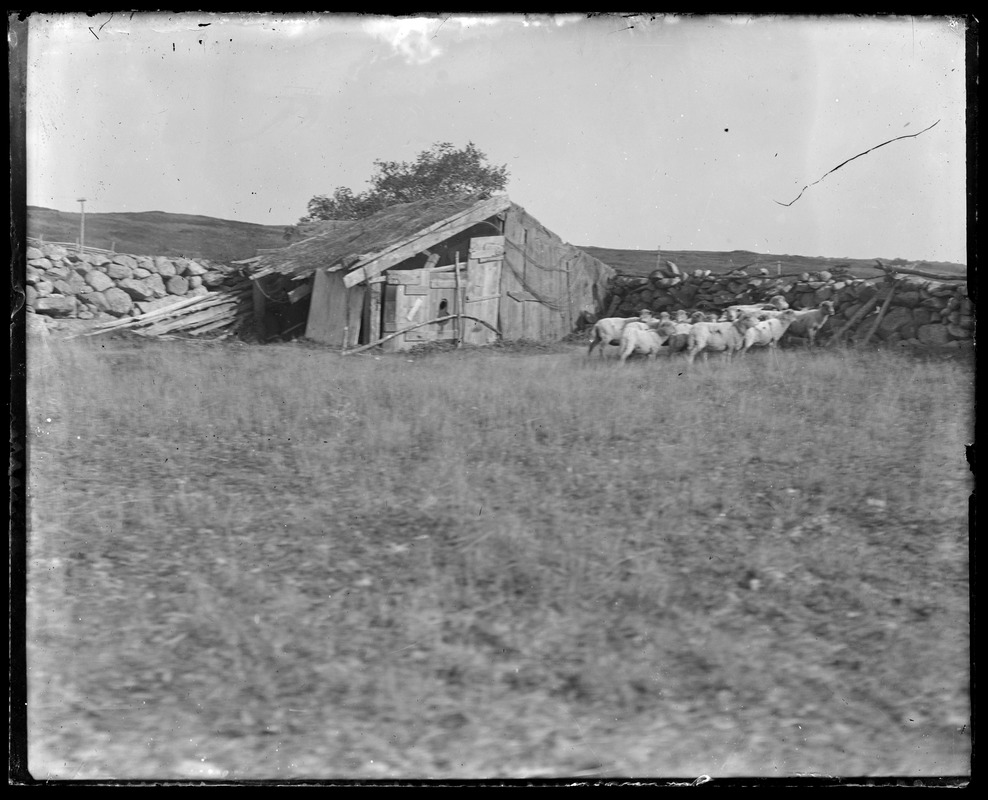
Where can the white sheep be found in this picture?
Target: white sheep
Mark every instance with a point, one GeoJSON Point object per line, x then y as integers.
{"type": "Point", "coordinates": [808, 322]}
{"type": "Point", "coordinates": [608, 330]}
{"type": "Point", "coordinates": [718, 336]}
{"type": "Point", "coordinates": [639, 337]}
{"type": "Point", "coordinates": [767, 332]}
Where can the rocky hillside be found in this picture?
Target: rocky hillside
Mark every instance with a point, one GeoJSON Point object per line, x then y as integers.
{"type": "Point", "coordinates": [643, 262]}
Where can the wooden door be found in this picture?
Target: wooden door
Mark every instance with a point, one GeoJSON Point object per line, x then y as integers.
{"type": "Point", "coordinates": [482, 293]}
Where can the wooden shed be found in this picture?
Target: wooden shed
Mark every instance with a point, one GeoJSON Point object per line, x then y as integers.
{"type": "Point", "coordinates": [464, 268]}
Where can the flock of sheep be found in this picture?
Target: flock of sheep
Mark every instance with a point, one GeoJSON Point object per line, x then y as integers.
{"type": "Point", "coordinates": [737, 329]}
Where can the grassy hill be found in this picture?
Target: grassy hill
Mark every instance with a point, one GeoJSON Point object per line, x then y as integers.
{"type": "Point", "coordinates": [158, 233]}
{"type": "Point", "coordinates": [191, 236]}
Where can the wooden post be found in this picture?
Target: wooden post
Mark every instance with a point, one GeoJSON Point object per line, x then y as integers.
{"type": "Point", "coordinates": [346, 320]}
{"type": "Point", "coordinates": [457, 302]}
{"type": "Point", "coordinates": [881, 314]}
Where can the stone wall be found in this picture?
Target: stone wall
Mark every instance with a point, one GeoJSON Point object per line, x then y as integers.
{"type": "Point", "coordinates": [922, 312]}
{"type": "Point", "coordinates": [91, 285]}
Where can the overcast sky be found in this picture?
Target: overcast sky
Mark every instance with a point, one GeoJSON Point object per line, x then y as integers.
{"type": "Point", "coordinates": [672, 132]}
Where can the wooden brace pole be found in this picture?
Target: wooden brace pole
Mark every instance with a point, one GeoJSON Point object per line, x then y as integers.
{"type": "Point", "coordinates": [419, 325]}
{"type": "Point", "coordinates": [881, 314]}
{"type": "Point", "coordinates": [858, 316]}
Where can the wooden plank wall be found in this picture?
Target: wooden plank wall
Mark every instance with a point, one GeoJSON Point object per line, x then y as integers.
{"type": "Point", "coordinates": [569, 280]}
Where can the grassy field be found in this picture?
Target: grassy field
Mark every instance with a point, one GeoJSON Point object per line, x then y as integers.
{"type": "Point", "coordinates": [278, 562]}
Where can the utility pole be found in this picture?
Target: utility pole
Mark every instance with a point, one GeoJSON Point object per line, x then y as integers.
{"type": "Point", "coordinates": [82, 223]}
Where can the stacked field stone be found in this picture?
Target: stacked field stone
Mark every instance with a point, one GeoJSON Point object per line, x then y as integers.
{"type": "Point", "coordinates": [922, 312]}
{"type": "Point", "coordinates": [64, 283]}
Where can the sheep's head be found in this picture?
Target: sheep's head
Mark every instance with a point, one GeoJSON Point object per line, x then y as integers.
{"type": "Point", "coordinates": [664, 316]}
{"type": "Point", "coordinates": [697, 316]}
{"type": "Point", "coordinates": [745, 321]}
{"type": "Point", "coordinates": [787, 316]}
{"type": "Point", "coordinates": [779, 302]}
{"type": "Point", "coordinates": [730, 315]}
{"type": "Point", "coordinates": [681, 316]}
{"type": "Point", "coordinates": [667, 328]}
{"type": "Point", "coordinates": [827, 307]}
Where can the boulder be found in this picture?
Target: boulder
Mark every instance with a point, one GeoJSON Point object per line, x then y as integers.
{"type": "Point", "coordinates": [53, 251]}
{"type": "Point", "coordinates": [55, 306]}
{"type": "Point", "coordinates": [157, 285]}
{"type": "Point", "coordinates": [44, 288]}
{"type": "Point", "coordinates": [30, 295]}
{"type": "Point", "coordinates": [99, 281]}
{"type": "Point", "coordinates": [140, 272]}
{"type": "Point", "coordinates": [33, 252]}
{"type": "Point", "coordinates": [84, 314]}
{"type": "Point", "coordinates": [195, 282]}
{"type": "Point", "coordinates": [957, 332]}
{"type": "Point", "coordinates": [58, 272]}
{"type": "Point", "coordinates": [136, 289]}
{"type": "Point", "coordinates": [72, 285]}
{"type": "Point", "coordinates": [909, 299]}
{"type": "Point", "coordinates": [216, 278]}
{"type": "Point", "coordinates": [118, 301]}
{"type": "Point", "coordinates": [197, 291]}
{"type": "Point", "coordinates": [95, 301]}
{"type": "Point", "coordinates": [119, 272]}
{"type": "Point", "coordinates": [933, 334]}
{"type": "Point", "coordinates": [895, 318]}
{"type": "Point", "coordinates": [193, 268]}
{"type": "Point", "coordinates": [921, 316]}
{"type": "Point", "coordinates": [99, 259]}
{"type": "Point", "coordinates": [125, 261]}
{"type": "Point", "coordinates": [164, 267]}
{"type": "Point", "coordinates": [40, 263]}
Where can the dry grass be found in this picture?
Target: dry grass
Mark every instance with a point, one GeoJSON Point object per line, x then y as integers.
{"type": "Point", "coordinates": [275, 562]}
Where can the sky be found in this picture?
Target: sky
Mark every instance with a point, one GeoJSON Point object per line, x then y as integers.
{"type": "Point", "coordinates": [647, 132]}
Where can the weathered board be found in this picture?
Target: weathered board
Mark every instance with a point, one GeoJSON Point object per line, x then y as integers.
{"type": "Point", "coordinates": [327, 309]}
{"type": "Point", "coordinates": [482, 296]}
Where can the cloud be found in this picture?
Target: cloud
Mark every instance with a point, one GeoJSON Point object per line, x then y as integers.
{"type": "Point", "coordinates": [419, 40]}
{"type": "Point", "coordinates": [413, 38]}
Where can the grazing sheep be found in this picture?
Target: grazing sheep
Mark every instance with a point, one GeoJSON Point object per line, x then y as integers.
{"type": "Point", "coordinates": [639, 337]}
{"type": "Point", "coordinates": [718, 336]}
{"type": "Point", "coordinates": [767, 332]}
{"type": "Point", "coordinates": [609, 330]}
{"type": "Point", "coordinates": [677, 335]}
{"type": "Point", "coordinates": [698, 316]}
{"type": "Point", "coordinates": [807, 323]}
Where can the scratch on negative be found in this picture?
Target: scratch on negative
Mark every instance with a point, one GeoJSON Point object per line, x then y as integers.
{"type": "Point", "coordinates": [848, 161]}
